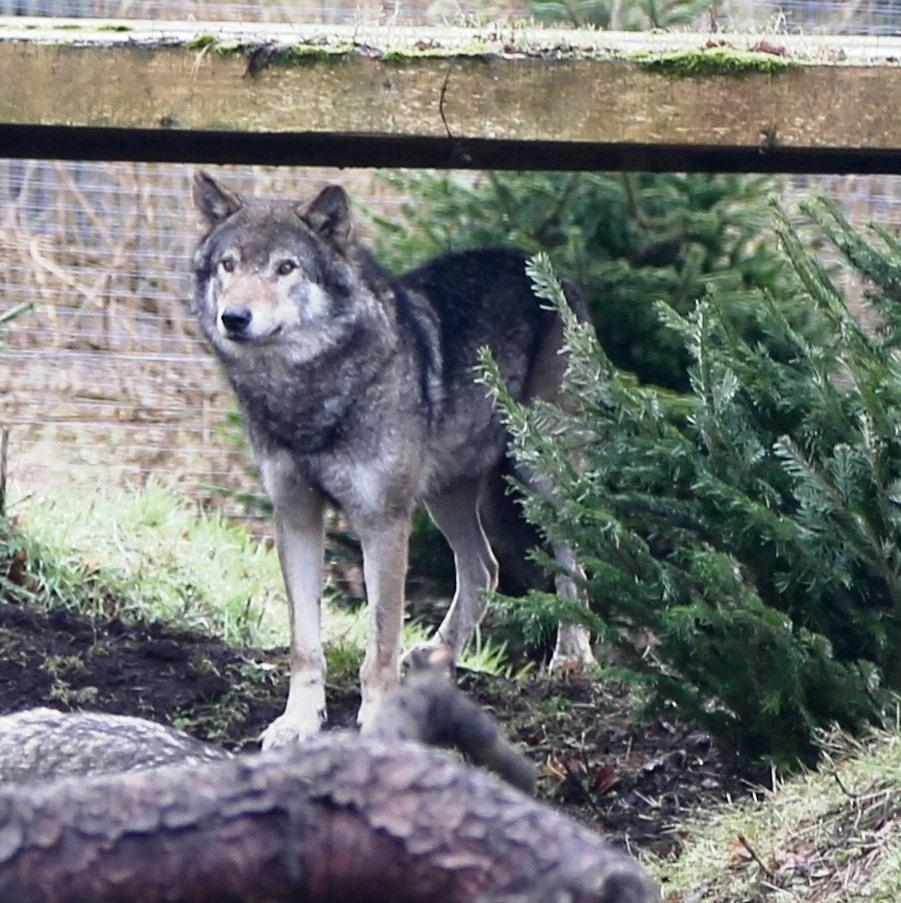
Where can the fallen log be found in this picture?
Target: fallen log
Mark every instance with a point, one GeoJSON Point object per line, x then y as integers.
{"type": "Point", "coordinates": [40, 744]}
{"type": "Point", "coordinates": [343, 818]}
{"type": "Point", "coordinates": [429, 708]}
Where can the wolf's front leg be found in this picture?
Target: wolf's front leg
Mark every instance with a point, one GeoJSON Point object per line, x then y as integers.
{"type": "Point", "coordinates": [384, 570]}
{"type": "Point", "coordinates": [300, 539]}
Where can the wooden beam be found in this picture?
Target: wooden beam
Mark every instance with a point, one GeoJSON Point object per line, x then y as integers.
{"type": "Point", "coordinates": [520, 98]}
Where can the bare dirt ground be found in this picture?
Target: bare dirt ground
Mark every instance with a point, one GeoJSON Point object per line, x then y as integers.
{"type": "Point", "coordinates": [630, 777]}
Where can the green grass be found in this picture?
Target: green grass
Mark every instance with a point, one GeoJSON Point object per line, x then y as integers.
{"type": "Point", "coordinates": [346, 638]}
{"type": "Point", "coordinates": [831, 834]}
{"type": "Point", "coordinates": [7, 315]}
{"type": "Point", "coordinates": [151, 554]}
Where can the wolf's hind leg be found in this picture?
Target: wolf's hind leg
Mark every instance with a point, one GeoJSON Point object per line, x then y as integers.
{"type": "Point", "coordinates": [548, 369]}
{"type": "Point", "coordinates": [300, 540]}
{"type": "Point", "coordinates": [573, 647]}
{"type": "Point", "coordinates": [456, 514]}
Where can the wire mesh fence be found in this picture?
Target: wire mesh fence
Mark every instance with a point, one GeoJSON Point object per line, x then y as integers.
{"type": "Point", "coordinates": [105, 379]}
{"type": "Point", "coordinates": [831, 16]}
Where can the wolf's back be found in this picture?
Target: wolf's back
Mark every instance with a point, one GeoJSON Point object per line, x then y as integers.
{"type": "Point", "coordinates": [484, 297]}
{"type": "Point", "coordinates": [481, 298]}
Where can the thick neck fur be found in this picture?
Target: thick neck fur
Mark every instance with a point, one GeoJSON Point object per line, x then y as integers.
{"type": "Point", "coordinates": [308, 407]}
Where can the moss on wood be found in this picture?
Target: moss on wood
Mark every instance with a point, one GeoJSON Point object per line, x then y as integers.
{"type": "Point", "coordinates": [719, 60]}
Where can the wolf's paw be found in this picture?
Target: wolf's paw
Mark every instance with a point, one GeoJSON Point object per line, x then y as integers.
{"type": "Point", "coordinates": [573, 651]}
{"type": "Point", "coordinates": [367, 717]}
{"type": "Point", "coordinates": [428, 658]}
{"type": "Point", "coordinates": [564, 665]}
{"type": "Point", "coordinates": [288, 729]}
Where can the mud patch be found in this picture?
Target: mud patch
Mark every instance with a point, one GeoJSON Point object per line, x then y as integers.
{"type": "Point", "coordinates": [68, 661]}
{"type": "Point", "coordinates": [630, 777]}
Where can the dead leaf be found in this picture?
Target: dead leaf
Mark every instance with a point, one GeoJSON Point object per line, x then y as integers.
{"type": "Point", "coordinates": [767, 47]}
{"type": "Point", "coordinates": [605, 778]}
{"type": "Point", "coordinates": [739, 856]}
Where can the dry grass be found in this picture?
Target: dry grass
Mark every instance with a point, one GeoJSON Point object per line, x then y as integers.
{"type": "Point", "coordinates": [105, 379]}
{"type": "Point", "coordinates": [829, 835]}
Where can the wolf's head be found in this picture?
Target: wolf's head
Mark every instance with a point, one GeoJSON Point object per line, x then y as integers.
{"type": "Point", "coordinates": [274, 274]}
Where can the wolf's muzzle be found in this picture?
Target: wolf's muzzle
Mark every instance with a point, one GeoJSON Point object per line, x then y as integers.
{"type": "Point", "coordinates": [236, 321]}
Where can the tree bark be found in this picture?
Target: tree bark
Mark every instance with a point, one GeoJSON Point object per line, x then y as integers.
{"type": "Point", "coordinates": [344, 818]}
{"type": "Point", "coordinates": [43, 744]}
{"type": "Point", "coordinates": [430, 709]}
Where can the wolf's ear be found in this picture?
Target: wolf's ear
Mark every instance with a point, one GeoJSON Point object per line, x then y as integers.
{"type": "Point", "coordinates": [328, 215]}
{"type": "Point", "coordinates": [212, 200]}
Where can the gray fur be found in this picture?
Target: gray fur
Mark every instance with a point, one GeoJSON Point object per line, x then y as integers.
{"type": "Point", "coordinates": [358, 389]}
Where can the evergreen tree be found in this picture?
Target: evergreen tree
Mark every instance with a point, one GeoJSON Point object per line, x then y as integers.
{"type": "Point", "coordinates": [743, 541]}
{"type": "Point", "coordinates": [628, 240]}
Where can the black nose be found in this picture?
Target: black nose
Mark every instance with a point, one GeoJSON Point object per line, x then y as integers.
{"type": "Point", "coordinates": [236, 319]}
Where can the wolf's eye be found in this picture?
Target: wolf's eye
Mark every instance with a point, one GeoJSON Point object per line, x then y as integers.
{"type": "Point", "coordinates": [227, 264]}
{"type": "Point", "coordinates": [286, 267]}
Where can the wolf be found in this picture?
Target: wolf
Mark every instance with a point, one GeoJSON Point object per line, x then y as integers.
{"type": "Point", "coordinates": [360, 390]}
